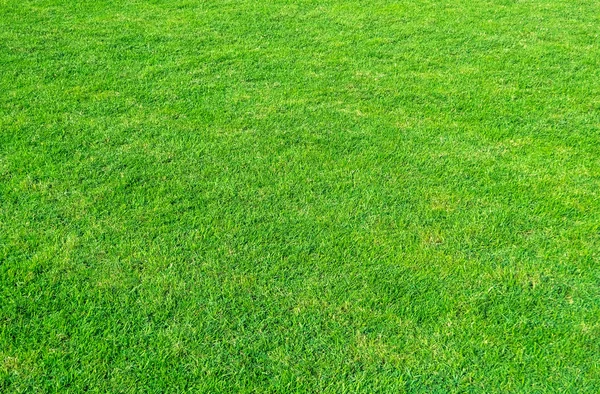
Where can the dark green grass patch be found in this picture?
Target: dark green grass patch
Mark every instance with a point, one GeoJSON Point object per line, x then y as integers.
{"type": "Point", "coordinates": [300, 196]}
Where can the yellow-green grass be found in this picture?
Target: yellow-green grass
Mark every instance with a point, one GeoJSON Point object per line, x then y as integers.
{"type": "Point", "coordinates": [300, 196]}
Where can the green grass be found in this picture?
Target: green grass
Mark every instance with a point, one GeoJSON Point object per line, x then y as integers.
{"type": "Point", "coordinates": [300, 196]}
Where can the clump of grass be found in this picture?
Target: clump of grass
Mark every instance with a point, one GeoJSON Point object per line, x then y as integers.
{"type": "Point", "coordinates": [335, 196]}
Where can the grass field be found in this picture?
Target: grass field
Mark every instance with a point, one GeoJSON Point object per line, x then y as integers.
{"type": "Point", "coordinates": [300, 196]}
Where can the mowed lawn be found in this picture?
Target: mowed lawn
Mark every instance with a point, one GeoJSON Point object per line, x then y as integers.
{"type": "Point", "coordinates": [300, 196]}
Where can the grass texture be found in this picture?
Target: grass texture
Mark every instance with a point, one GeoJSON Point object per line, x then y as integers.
{"type": "Point", "coordinates": [286, 196]}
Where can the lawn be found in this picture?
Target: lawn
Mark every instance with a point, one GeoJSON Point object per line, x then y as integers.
{"type": "Point", "coordinates": [284, 196]}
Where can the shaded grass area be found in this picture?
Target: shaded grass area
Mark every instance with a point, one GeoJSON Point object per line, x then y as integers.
{"type": "Point", "coordinates": [299, 196]}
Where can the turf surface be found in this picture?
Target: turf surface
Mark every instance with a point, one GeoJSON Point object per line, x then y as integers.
{"type": "Point", "coordinates": [300, 196]}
